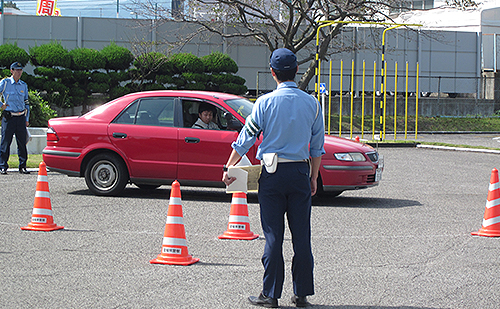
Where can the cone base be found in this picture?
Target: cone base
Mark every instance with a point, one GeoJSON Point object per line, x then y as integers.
{"type": "Point", "coordinates": [188, 260]}
{"type": "Point", "coordinates": [41, 227]}
{"type": "Point", "coordinates": [487, 233]}
{"type": "Point", "coordinates": [238, 236]}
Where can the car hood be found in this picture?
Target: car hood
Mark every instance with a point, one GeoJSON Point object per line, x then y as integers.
{"type": "Point", "coordinates": [334, 144]}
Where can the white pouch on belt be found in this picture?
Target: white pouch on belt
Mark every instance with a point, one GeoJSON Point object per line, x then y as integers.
{"type": "Point", "coordinates": [270, 161]}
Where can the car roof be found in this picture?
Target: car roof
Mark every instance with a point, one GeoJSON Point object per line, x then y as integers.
{"type": "Point", "coordinates": [185, 93]}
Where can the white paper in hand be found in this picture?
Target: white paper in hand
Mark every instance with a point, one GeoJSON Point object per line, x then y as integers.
{"type": "Point", "coordinates": [240, 184]}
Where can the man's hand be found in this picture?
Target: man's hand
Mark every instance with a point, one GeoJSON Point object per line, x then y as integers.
{"type": "Point", "coordinates": [4, 106]}
{"type": "Point", "coordinates": [314, 186]}
{"type": "Point", "coordinates": [227, 180]}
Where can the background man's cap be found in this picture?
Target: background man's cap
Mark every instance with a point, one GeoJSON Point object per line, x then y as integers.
{"type": "Point", "coordinates": [283, 59]}
{"type": "Point", "coordinates": [16, 66]}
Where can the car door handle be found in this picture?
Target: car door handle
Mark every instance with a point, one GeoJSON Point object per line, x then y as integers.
{"type": "Point", "coordinates": [192, 140]}
{"type": "Point", "coordinates": [119, 135]}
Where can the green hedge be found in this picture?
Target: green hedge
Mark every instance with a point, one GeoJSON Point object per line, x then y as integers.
{"type": "Point", "coordinates": [65, 78]}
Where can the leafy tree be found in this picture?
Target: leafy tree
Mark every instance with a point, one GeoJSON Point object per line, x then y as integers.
{"type": "Point", "coordinates": [220, 67]}
{"type": "Point", "coordinates": [10, 53]}
{"type": "Point", "coordinates": [146, 67]}
{"type": "Point", "coordinates": [85, 63]}
{"type": "Point", "coordinates": [50, 55]}
{"type": "Point", "coordinates": [10, 4]}
{"type": "Point", "coordinates": [118, 60]}
{"type": "Point", "coordinates": [117, 57]}
{"type": "Point", "coordinates": [40, 111]}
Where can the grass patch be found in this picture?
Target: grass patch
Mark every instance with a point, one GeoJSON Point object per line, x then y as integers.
{"type": "Point", "coordinates": [33, 161]}
{"type": "Point", "coordinates": [436, 124]}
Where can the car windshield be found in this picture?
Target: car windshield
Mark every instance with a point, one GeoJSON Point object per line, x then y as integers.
{"type": "Point", "coordinates": [243, 107]}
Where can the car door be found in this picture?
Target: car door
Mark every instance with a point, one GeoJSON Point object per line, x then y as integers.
{"type": "Point", "coordinates": [146, 136]}
{"type": "Point", "coordinates": [203, 152]}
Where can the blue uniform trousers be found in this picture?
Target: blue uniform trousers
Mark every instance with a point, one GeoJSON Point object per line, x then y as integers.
{"type": "Point", "coordinates": [15, 125]}
{"type": "Point", "coordinates": [287, 191]}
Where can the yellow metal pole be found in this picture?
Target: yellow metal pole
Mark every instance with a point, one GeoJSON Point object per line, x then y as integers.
{"type": "Point", "coordinates": [385, 94]}
{"type": "Point", "coordinates": [416, 106]}
{"type": "Point", "coordinates": [363, 102]}
{"type": "Point", "coordinates": [395, 96]}
{"type": "Point", "coordinates": [327, 23]}
{"type": "Point", "coordinates": [374, 114]}
{"type": "Point", "coordinates": [352, 96]}
{"type": "Point", "coordinates": [318, 60]}
{"type": "Point", "coordinates": [330, 99]}
{"type": "Point", "coordinates": [406, 102]}
{"type": "Point", "coordinates": [383, 86]}
{"type": "Point", "coordinates": [340, 107]}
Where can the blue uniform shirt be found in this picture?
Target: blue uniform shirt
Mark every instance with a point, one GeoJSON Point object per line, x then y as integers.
{"type": "Point", "coordinates": [15, 95]}
{"type": "Point", "coordinates": [291, 122]}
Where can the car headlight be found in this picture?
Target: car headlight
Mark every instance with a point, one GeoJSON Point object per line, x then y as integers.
{"type": "Point", "coordinates": [350, 156]}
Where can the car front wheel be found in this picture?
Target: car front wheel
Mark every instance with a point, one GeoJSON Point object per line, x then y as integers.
{"type": "Point", "coordinates": [106, 174]}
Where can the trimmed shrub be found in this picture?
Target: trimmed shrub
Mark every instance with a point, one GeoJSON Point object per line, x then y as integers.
{"type": "Point", "coordinates": [87, 59]}
{"type": "Point", "coordinates": [10, 53]}
{"type": "Point", "coordinates": [50, 55]}
{"type": "Point", "coordinates": [117, 57]}
{"type": "Point", "coordinates": [218, 62]}
{"type": "Point", "coordinates": [187, 62]}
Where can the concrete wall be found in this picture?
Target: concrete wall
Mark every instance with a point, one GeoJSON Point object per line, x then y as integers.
{"type": "Point", "coordinates": [36, 144]}
{"type": "Point", "coordinates": [450, 55]}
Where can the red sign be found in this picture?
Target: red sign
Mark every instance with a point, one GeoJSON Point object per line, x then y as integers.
{"type": "Point", "coordinates": [46, 7]}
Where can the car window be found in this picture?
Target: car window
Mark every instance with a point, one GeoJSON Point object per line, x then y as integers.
{"type": "Point", "coordinates": [243, 107]}
{"type": "Point", "coordinates": [222, 118]}
{"type": "Point", "coordinates": [149, 111]}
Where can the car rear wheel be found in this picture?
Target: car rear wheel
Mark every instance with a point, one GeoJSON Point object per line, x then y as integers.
{"type": "Point", "coordinates": [106, 174]}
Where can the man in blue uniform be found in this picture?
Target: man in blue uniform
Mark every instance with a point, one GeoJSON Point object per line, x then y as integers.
{"type": "Point", "coordinates": [15, 117]}
{"type": "Point", "coordinates": [292, 130]}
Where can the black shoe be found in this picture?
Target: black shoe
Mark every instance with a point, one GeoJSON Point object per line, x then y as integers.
{"type": "Point", "coordinates": [264, 301]}
{"type": "Point", "coordinates": [3, 171]}
{"type": "Point", "coordinates": [23, 170]}
{"type": "Point", "coordinates": [300, 301]}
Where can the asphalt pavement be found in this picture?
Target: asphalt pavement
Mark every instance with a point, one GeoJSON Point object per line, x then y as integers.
{"type": "Point", "coordinates": [403, 244]}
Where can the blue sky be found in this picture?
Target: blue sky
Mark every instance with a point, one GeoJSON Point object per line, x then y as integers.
{"type": "Point", "coordinates": [88, 8]}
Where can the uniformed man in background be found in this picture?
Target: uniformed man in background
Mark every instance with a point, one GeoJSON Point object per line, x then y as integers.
{"type": "Point", "coordinates": [15, 118]}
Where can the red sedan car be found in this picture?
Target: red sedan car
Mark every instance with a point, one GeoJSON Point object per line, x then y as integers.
{"type": "Point", "coordinates": [148, 139]}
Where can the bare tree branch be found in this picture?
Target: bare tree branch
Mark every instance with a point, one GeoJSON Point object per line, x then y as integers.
{"type": "Point", "coordinates": [292, 24]}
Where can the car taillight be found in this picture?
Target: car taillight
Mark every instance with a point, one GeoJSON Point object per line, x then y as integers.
{"type": "Point", "coordinates": [52, 135]}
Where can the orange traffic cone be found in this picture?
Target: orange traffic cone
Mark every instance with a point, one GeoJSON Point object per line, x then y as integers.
{"type": "Point", "coordinates": [239, 225]}
{"type": "Point", "coordinates": [491, 220]}
{"type": "Point", "coordinates": [41, 219]}
{"type": "Point", "coordinates": [174, 249]}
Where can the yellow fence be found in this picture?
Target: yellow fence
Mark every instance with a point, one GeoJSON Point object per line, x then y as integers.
{"type": "Point", "coordinates": [383, 88]}
{"type": "Point", "coordinates": [383, 100]}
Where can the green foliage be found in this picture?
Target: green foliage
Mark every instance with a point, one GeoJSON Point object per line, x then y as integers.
{"type": "Point", "coordinates": [218, 62]}
{"type": "Point", "coordinates": [10, 53]}
{"type": "Point", "coordinates": [67, 79]}
{"type": "Point", "coordinates": [40, 111]}
{"type": "Point", "coordinates": [50, 55]}
{"type": "Point", "coordinates": [150, 62]}
{"type": "Point", "coordinates": [117, 57]}
{"type": "Point", "coordinates": [87, 59]}
{"type": "Point", "coordinates": [118, 91]}
{"type": "Point", "coordinates": [187, 62]}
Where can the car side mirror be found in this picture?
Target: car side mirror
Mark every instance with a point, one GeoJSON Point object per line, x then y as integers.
{"type": "Point", "coordinates": [232, 123]}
